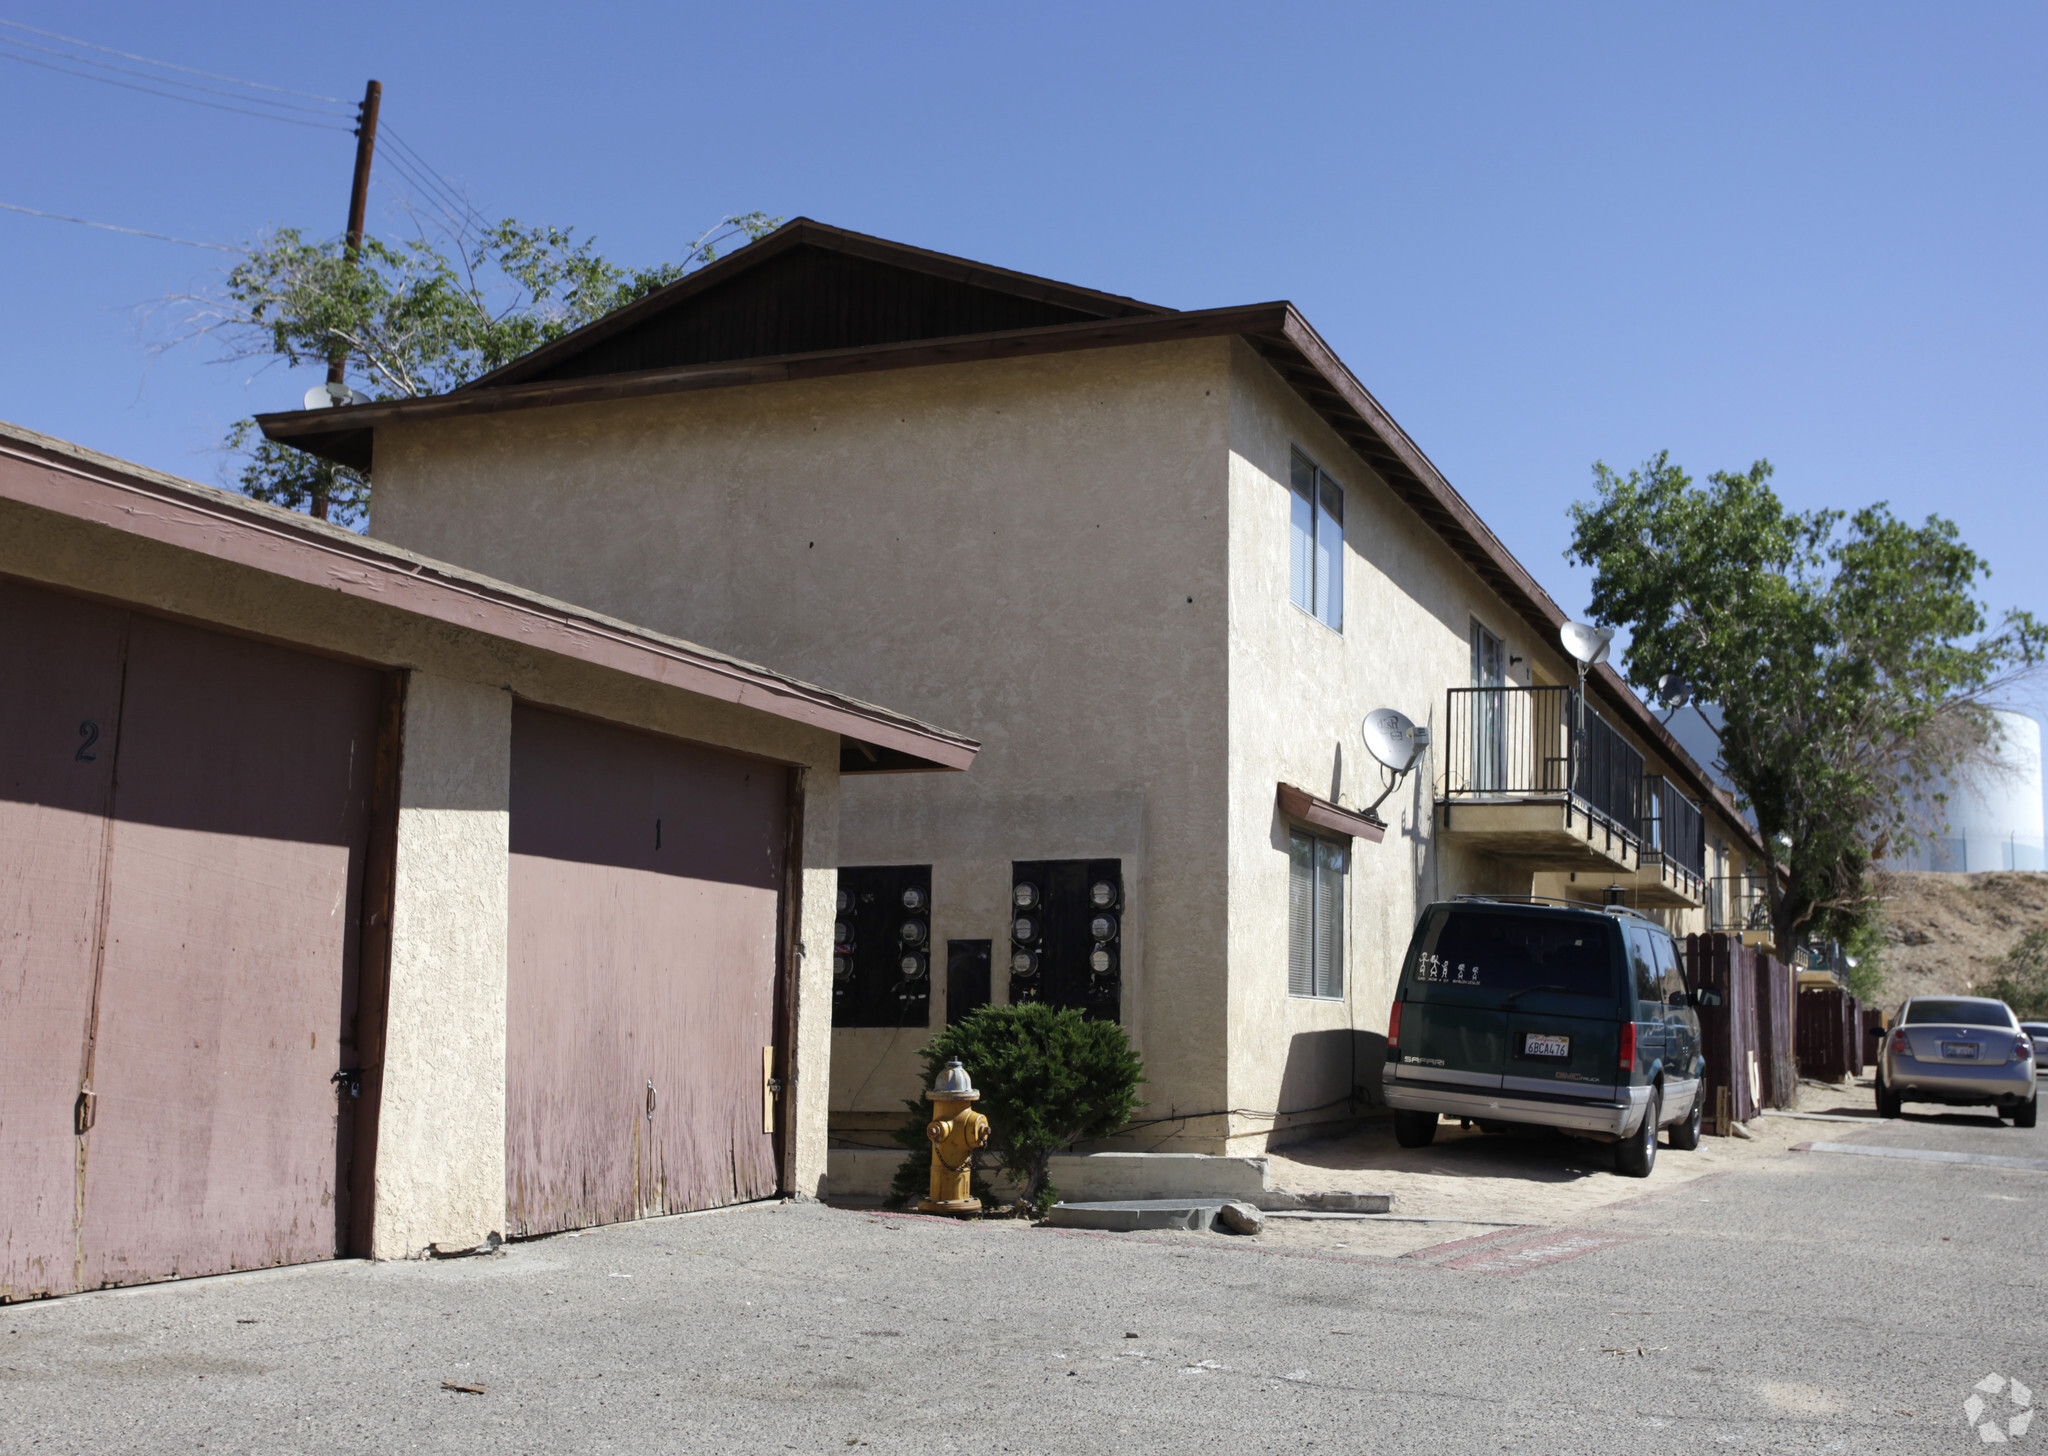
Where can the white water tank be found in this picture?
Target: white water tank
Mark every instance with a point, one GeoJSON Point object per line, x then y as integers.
{"type": "Point", "coordinates": [1993, 816]}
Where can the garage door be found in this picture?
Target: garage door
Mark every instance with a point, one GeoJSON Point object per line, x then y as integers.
{"type": "Point", "coordinates": [646, 901]}
{"type": "Point", "coordinates": [184, 830]}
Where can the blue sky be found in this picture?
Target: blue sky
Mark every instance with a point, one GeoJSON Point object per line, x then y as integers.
{"type": "Point", "coordinates": [1540, 234]}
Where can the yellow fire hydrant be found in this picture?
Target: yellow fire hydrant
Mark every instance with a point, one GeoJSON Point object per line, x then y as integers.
{"type": "Point", "coordinates": [955, 1130]}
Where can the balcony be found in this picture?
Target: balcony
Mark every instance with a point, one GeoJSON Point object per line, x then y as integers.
{"type": "Point", "coordinates": [1739, 905]}
{"type": "Point", "coordinates": [1518, 786]}
{"type": "Point", "coordinates": [1673, 872]}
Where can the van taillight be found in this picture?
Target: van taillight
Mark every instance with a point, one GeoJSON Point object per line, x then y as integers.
{"type": "Point", "coordinates": [1628, 1046]}
{"type": "Point", "coordinates": [1394, 1027]}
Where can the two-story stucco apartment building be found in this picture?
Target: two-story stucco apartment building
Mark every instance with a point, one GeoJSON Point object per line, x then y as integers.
{"type": "Point", "coordinates": [1160, 563]}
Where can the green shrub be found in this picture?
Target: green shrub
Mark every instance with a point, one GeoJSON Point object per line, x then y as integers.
{"type": "Point", "coordinates": [1048, 1078]}
{"type": "Point", "coordinates": [2022, 981]}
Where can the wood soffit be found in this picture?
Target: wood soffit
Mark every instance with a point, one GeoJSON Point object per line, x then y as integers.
{"type": "Point", "coordinates": [1277, 332]}
{"type": "Point", "coordinates": [53, 475]}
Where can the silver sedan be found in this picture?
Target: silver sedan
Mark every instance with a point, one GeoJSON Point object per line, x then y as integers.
{"type": "Point", "coordinates": [1965, 1051]}
{"type": "Point", "coordinates": [2037, 1031]}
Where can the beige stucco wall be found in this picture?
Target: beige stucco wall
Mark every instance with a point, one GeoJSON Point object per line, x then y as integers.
{"type": "Point", "coordinates": [452, 667]}
{"type": "Point", "coordinates": [1298, 694]}
{"type": "Point", "coordinates": [1030, 551]}
{"type": "Point", "coordinates": [440, 1177]}
{"type": "Point", "coordinates": [1081, 560]}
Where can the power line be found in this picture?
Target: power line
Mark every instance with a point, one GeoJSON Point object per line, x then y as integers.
{"type": "Point", "coordinates": [406, 158]}
{"type": "Point", "coordinates": [174, 96]}
{"type": "Point", "coordinates": [110, 227]}
{"type": "Point", "coordinates": [166, 80]}
{"type": "Point", "coordinates": [411, 165]}
{"type": "Point", "coordinates": [167, 65]}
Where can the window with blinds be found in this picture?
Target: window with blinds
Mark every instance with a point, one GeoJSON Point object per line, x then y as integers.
{"type": "Point", "coordinates": [1315, 916]}
{"type": "Point", "coordinates": [1315, 561]}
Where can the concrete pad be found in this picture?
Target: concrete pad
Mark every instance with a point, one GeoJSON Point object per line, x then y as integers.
{"type": "Point", "coordinates": [1084, 1177]}
{"type": "Point", "coordinates": [1129, 1215]}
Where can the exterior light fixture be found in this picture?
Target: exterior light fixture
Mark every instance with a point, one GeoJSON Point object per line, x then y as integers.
{"type": "Point", "coordinates": [1025, 896]}
{"type": "Point", "coordinates": [1102, 895]}
{"type": "Point", "coordinates": [912, 933]}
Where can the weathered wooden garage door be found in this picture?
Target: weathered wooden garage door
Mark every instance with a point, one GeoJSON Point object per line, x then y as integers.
{"type": "Point", "coordinates": [647, 881]}
{"type": "Point", "coordinates": [184, 824]}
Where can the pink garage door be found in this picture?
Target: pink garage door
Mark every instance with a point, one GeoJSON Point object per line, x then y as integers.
{"type": "Point", "coordinates": [646, 896]}
{"type": "Point", "coordinates": [184, 824]}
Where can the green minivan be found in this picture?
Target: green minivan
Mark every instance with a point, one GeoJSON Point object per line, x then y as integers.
{"type": "Point", "coordinates": [1527, 1013]}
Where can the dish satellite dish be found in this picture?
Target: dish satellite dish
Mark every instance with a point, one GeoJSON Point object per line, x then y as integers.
{"type": "Point", "coordinates": [1588, 645]}
{"type": "Point", "coordinates": [1390, 738]}
{"type": "Point", "coordinates": [327, 396]}
{"type": "Point", "coordinates": [1674, 690]}
{"type": "Point", "coordinates": [1393, 739]}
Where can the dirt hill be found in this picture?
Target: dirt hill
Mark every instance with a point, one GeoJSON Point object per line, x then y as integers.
{"type": "Point", "coordinates": [1946, 933]}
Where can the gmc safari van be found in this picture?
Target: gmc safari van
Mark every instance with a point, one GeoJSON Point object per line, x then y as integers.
{"type": "Point", "coordinates": [1522, 1013]}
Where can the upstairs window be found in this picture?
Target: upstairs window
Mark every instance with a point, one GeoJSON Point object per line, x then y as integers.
{"type": "Point", "coordinates": [1315, 916]}
{"type": "Point", "coordinates": [1316, 543]}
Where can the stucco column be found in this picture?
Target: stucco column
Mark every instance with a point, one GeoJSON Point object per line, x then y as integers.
{"type": "Point", "coordinates": [809, 1107]}
{"type": "Point", "coordinates": [441, 1127]}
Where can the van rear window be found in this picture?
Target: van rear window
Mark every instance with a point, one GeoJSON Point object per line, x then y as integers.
{"type": "Point", "coordinates": [1506, 953]}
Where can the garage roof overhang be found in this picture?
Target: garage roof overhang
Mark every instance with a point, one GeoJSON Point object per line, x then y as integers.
{"type": "Point", "coordinates": [53, 475]}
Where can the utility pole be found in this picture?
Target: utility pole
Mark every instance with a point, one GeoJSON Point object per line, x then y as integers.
{"type": "Point", "coordinates": [358, 204]}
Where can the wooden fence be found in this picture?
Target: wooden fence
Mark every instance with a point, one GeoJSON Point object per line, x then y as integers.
{"type": "Point", "coordinates": [1747, 1039]}
{"type": "Point", "coordinates": [1830, 1034]}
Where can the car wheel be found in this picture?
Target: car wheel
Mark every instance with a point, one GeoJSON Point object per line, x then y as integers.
{"type": "Point", "coordinates": [1636, 1155]}
{"type": "Point", "coordinates": [1414, 1129]}
{"type": "Point", "coordinates": [1685, 1136]}
{"type": "Point", "coordinates": [2025, 1114]}
{"type": "Point", "coordinates": [1888, 1101]}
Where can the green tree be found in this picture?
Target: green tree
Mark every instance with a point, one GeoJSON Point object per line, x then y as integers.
{"type": "Point", "coordinates": [419, 316]}
{"type": "Point", "coordinates": [1049, 1077]}
{"type": "Point", "coordinates": [1849, 654]}
{"type": "Point", "coordinates": [2022, 980]}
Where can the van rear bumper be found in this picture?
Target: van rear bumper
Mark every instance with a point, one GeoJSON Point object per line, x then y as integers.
{"type": "Point", "coordinates": [1609, 1116]}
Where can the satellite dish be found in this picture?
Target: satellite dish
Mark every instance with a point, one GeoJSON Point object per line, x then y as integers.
{"type": "Point", "coordinates": [1674, 690]}
{"type": "Point", "coordinates": [327, 396]}
{"type": "Point", "coordinates": [1390, 738]}
{"type": "Point", "coordinates": [1588, 645]}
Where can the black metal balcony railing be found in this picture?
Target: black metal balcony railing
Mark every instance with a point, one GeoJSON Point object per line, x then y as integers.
{"type": "Point", "coordinates": [1737, 902]}
{"type": "Point", "coordinates": [1674, 826]}
{"type": "Point", "coordinates": [1518, 743]}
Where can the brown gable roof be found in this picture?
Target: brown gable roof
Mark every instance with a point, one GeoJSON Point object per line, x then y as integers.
{"type": "Point", "coordinates": [803, 289]}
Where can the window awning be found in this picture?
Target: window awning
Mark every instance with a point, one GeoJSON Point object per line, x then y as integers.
{"type": "Point", "coordinates": [1306, 808]}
